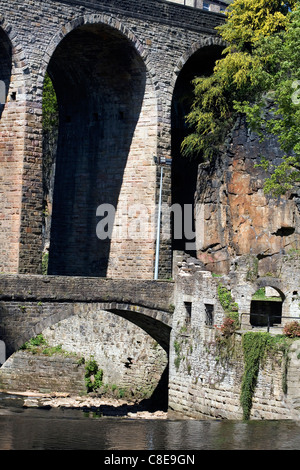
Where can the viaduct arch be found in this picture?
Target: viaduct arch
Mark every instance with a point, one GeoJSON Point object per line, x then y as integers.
{"type": "Point", "coordinates": [106, 143]}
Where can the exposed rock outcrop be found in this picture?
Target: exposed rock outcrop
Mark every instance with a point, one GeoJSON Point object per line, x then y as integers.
{"type": "Point", "coordinates": [234, 217]}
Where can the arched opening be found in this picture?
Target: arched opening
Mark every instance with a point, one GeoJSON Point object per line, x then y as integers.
{"type": "Point", "coordinates": [185, 170]}
{"type": "Point", "coordinates": [127, 352]}
{"type": "Point", "coordinates": [5, 68]}
{"type": "Point", "coordinates": [104, 152]}
{"type": "Point", "coordinates": [266, 307]}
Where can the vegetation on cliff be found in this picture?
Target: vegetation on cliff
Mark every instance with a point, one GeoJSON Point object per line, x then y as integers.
{"type": "Point", "coordinates": [257, 76]}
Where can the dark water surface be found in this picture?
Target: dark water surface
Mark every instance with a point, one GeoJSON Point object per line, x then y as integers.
{"type": "Point", "coordinates": [66, 429]}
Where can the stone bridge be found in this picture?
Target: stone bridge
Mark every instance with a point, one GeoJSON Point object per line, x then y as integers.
{"type": "Point", "coordinates": [31, 303]}
{"type": "Point", "coordinates": [121, 70]}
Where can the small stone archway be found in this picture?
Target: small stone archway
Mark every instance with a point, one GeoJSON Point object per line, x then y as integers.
{"type": "Point", "coordinates": [266, 307]}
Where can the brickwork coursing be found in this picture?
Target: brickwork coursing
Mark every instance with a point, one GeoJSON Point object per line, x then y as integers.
{"type": "Point", "coordinates": [214, 391]}
{"type": "Point", "coordinates": [24, 371]}
{"type": "Point", "coordinates": [246, 279]}
{"type": "Point", "coordinates": [128, 356]}
{"type": "Point", "coordinates": [151, 42]}
{"type": "Point", "coordinates": [123, 325]}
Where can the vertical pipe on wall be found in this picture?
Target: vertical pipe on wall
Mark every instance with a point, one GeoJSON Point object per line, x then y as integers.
{"type": "Point", "coordinates": [158, 227]}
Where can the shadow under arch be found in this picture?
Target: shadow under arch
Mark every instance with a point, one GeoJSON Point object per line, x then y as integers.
{"type": "Point", "coordinates": [157, 329]}
{"type": "Point", "coordinates": [199, 61]}
{"type": "Point", "coordinates": [100, 82]}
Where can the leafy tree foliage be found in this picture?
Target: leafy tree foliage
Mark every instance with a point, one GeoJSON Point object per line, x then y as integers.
{"type": "Point", "coordinates": [258, 76]}
{"type": "Point", "coordinates": [50, 106]}
{"type": "Point", "coordinates": [50, 133]}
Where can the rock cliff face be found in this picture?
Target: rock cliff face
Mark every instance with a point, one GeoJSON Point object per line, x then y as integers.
{"type": "Point", "coordinates": [233, 215]}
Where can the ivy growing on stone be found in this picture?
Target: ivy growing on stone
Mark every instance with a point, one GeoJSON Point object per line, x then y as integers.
{"type": "Point", "coordinates": [229, 305]}
{"type": "Point", "coordinates": [255, 347]}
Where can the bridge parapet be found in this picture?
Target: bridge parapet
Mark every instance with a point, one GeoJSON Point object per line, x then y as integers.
{"type": "Point", "coordinates": [162, 11]}
{"type": "Point", "coordinates": [156, 295]}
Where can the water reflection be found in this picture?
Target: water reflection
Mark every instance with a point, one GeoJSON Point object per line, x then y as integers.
{"type": "Point", "coordinates": [65, 432]}
{"type": "Point", "coordinates": [65, 429]}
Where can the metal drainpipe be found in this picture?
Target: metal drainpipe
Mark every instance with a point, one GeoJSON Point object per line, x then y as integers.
{"type": "Point", "coordinates": [158, 227]}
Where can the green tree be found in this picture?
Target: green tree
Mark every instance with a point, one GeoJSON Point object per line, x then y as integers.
{"type": "Point", "coordinates": [280, 54]}
{"type": "Point", "coordinates": [250, 20]}
{"type": "Point", "coordinates": [50, 106]}
{"type": "Point", "coordinates": [257, 76]}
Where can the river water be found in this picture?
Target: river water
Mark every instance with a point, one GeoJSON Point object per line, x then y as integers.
{"type": "Point", "coordinates": [67, 429]}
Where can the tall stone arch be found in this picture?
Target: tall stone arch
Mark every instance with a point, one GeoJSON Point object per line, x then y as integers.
{"type": "Point", "coordinates": [132, 178]}
{"type": "Point", "coordinates": [198, 60]}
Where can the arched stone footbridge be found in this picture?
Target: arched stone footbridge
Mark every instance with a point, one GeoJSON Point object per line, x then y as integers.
{"type": "Point", "coordinates": [31, 303]}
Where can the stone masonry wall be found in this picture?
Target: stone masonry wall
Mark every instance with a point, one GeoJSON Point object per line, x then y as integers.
{"type": "Point", "coordinates": [247, 275]}
{"type": "Point", "coordinates": [106, 144]}
{"type": "Point", "coordinates": [130, 359]}
{"type": "Point", "coordinates": [211, 388]}
{"type": "Point", "coordinates": [68, 311]}
{"type": "Point", "coordinates": [12, 132]}
{"type": "Point", "coordinates": [205, 377]}
{"type": "Point", "coordinates": [24, 372]}
{"type": "Point", "coordinates": [213, 6]}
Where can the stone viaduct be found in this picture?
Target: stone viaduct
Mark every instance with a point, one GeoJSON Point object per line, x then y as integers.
{"type": "Point", "coordinates": [119, 69]}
